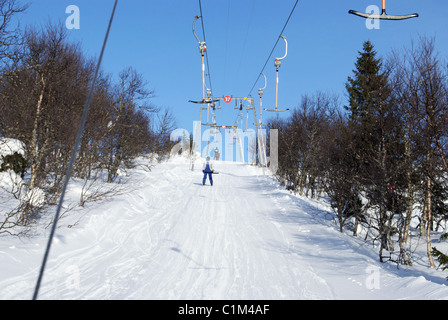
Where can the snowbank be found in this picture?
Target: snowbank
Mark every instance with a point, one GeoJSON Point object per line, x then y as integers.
{"type": "Point", "coordinates": [10, 146]}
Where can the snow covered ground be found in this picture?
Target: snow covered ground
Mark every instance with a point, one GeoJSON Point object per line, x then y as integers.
{"type": "Point", "coordinates": [172, 238]}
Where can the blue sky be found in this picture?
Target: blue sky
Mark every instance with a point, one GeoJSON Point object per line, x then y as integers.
{"type": "Point", "coordinates": [156, 38]}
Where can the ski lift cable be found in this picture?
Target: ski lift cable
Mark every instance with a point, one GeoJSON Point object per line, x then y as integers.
{"type": "Point", "coordinates": [273, 48]}
{"type": "Point", "coordinates": [73, 156]}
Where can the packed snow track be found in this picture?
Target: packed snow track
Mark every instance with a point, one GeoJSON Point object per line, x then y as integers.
{"type": "Point", "coordinates": [170, 237]}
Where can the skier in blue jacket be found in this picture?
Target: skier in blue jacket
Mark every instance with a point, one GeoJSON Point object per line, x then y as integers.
{"type": "Point", "coordinates": [207, 168]}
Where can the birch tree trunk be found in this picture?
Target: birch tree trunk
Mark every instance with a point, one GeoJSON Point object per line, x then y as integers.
{"type": "Point", "coordinates": [428, 215]}
{"type": "Point", "coordinates": [34, 147]}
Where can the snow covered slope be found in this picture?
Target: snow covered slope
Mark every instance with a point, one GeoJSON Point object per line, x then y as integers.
{"type": "Point", "coordinates": [172, 238]}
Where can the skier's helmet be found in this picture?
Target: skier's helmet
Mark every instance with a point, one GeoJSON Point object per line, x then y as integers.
{"type": "Point", "coordinates": [208, 158]}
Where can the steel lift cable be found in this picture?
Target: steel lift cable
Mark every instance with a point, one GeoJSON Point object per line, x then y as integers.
{"type": "Point", "coordinates": [273, 48]}
{"type": "Point", "coordinates": [73, 157]}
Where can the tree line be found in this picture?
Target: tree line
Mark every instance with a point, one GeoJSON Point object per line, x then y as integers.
{"type": "Point", "coordinates": [44, 83]}
{"type": "Point", "coordinates": [382, 158]}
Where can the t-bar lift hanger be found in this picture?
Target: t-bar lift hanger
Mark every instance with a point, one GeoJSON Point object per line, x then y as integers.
{"type": "Point", "coordinates": [202, 50]}
{"type": "Point", "coordinates": [383, 15]}
{"type": "Point", "coordinates": [260, 93]}
{"type": "Point", "coordinates": [278, 63]}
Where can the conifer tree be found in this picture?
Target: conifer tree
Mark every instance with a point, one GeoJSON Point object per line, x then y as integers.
{"type": "Point", "coordinates": [441, 258]}
{"type": "Point", "coordinates": [375, 128]}
{"type": "Point", "coordinates": [362, 86]}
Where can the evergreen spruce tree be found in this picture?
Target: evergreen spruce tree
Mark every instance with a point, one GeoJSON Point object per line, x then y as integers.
{"type": "Point", "coordinates": [441, 258]}
{"type": "Point", "coordinates": [362, 87]}
{"type": "Point", "coordinates": [375, 128]}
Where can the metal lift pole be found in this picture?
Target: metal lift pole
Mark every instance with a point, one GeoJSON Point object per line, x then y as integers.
{"type": "Point", "coordinates": [202, 50]}
{"type": "Point", "coordinates": [260, 93]}
{"type": "Point", "coordinates": [261, 148]}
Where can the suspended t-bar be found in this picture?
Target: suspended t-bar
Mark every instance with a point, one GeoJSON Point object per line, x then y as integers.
{"type": "Point", "coordinates": [278, 63]}
{"type": "Point", "coordinates": [260, 93]}
{"type": "Point", "coordinates": [205, 101]}
{"type": "Point", "coordinates": [202, 50]}
{"type": "Point", "coordinates": [383, 15]}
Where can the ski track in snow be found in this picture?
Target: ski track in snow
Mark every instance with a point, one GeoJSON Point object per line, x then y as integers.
{"type": "Point", "coordinates": [172, 238]}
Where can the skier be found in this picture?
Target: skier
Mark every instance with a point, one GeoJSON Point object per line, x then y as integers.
{"type": "Point", "coordinates": [207, 168]}
{"type": "Point", "coordinates": [216, 154]}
